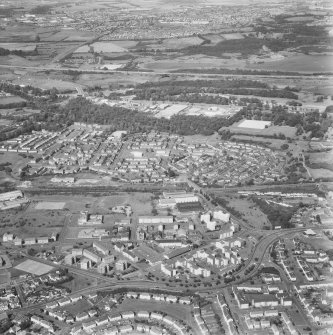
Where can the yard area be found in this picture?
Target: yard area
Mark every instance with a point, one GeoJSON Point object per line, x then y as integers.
{"type": "Point", "coordinates": [34, 267]}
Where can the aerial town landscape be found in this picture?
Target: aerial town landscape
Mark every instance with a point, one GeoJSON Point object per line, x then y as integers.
{"type": "Point", "coordinates": [166, 167]}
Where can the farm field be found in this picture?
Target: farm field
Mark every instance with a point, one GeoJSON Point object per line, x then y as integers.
{"type": "Point", "coordinates": [18, 34]}
{"type": "Point", "coordinates": [321, 173]}
{"type": "Point", "coordinates": [44, 83]}
{"type": "Point", "coordinates": [105, 80]}
{"type": "Point", "coordinates": [10, 100]}
{"type": "Point", "coordinates": [323, 158]}
{"type": "Point", "coordinates": [177, 43]}
{"type": "Point", "coordinates": [233, 36]}
{"type": "Point", "coordinates": [214, 38]}
{"type": "Point", "coordinates": [34, 267]}
{"type": "Point", "coordinates": [105, 47]}
{"type": "Point", "coordinates": [298, 63]}
{"type": "Point", "coordinates": [126, 44]}
{"type": "Point", "coordinates": [68, 35]}
{"type": "Point", "coordinates": [189, 62]}
{"type": "Point", "coordinates": [18, 46]}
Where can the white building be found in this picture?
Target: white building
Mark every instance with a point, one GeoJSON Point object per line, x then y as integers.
{"type": "Point", "coordinates": [155, 219]}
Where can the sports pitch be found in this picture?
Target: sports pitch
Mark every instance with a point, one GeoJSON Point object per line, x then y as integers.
{"type": "Point", "coordinates": [50, 205]}
{"type": "Point", "coordinates": [33, 267]}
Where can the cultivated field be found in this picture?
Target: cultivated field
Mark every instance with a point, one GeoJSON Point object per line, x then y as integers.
{"type": "Point", "coordinates": [298, 63]}
{"type": "Point", "coordinates": [199, 62]}
{"type": "Point", "coordinates": [17, 35]}
{"type": "Point", "coordinates": [10, 100]}
{"type": "Point", "coordinates": [45, 83]}
{"type": "Point", "coordinates": [18, 46]}
{"type": "Point", "coordinates": [33, 267]}
{"type": "Point", "coordinates": [68, 35]}
{"type": "Point", "coordinates": [181, 43]}
{"type": "Point", "coordinates": [321, 173]}
{"type": "Point", "coordinates": [214, 38]}
{"type": "Point", "coordinates": [235, 36]}
{"type": "Point", "coordinates": [105, 47]}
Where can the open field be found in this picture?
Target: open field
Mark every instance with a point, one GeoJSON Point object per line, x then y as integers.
{"type": "Point", "coordinates": [33, 267]}
{"type": "Point", "coordinates": [214, 38]}
{"type": "Point", "coordinates": [79, 283]}
{"type": "Point", "coordinates": [177, 311]}
{"type": "Point", "coordinates": [233, 36]}
{"type": "Point", "coordinates": [44, 83]}
{"type": "Point", "coordinates": [298, 63]}
{"type": "Point", "coordinates": [105, 80]}
{"type": "Point", "coordinates": [18, 112]}
{"type": "Point", "coordinates": [321, 158]}
{"type": "Point", "coordinates": [29, 222]}
{"type": "Point", "coordinates": [18, 34]}
{"type": "Point", "coordinates": [50, 205]}
{"type": "Point", "coordinates": [10, 100]}
{"type": "Point", "coordinates": [199, 62]}
{"type": "Point", "coordinates": [321, 173]}
{"type": "Point", "coordinates": [27, 47]}
{"type": "Point", "coordinates": [248, 211]}
{"type": "Point", "coordinates": [140, 202]}
{"type": "Point", "coordinates": [105, 47]}
{"type": "Point", "coordinates": [177, 43]}
{"type": "Point", "coordinates": [68, 35]}
{"type": "Point", "coordinates": [4, 277]}
{"type": "Point", "coordinates": [319, 243]}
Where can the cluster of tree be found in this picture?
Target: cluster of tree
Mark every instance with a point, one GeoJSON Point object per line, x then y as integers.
{"type": "Point", "coordinates": [26, 92]}
{"type": "Point", "coordinates": [314, 123]}
{"type": "Point", "coordinates": [41, 9]}
{"type": "Point", "coordinates": [81, 110]}
{"type": "Point", "coordinates": [277, 215]}
{"type": "Point", "coordinates": [203, 90]}
{"type": "Point", "coordinates": [20, 53]}
{"type": "Point", "coordinates": [25, 127]}
{"type": "Point", "coordinates": [202, 83]}
{"type": "Point", "coordinates": [245, 46]}
{"type": "Point", "coordinates": [239, 71]}
{"type": "Point", "coordinates": [19, 104]}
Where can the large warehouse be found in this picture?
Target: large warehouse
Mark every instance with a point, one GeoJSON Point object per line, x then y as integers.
{"type": "Point", "coordinates": [155, 219]}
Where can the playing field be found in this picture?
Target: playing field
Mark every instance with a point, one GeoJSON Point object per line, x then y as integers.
{"type": "Point", "coordinates": [50, 205]}
{"type": "Point", "coordinates": [33, 267]}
